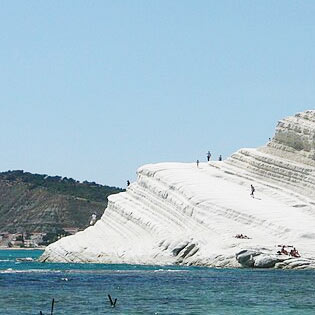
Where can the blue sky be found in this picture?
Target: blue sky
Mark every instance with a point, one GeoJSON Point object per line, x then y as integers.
{"type": "Point", "coordinates": [94, 89]}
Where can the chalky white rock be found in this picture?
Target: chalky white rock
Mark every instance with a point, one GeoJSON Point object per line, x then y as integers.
{"type": "Point", "coordinates": [176, 213]}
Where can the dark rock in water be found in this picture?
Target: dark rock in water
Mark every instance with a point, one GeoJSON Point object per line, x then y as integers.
{"type": "Point", "coordinates": [246, 257]}
{"type": "Point", "coordinates": [257, 259]}
{"type": "Point", "coordinates": [265, 261]}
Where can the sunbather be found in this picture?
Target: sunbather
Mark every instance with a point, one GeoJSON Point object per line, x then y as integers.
{"type": "Point", "coordinates": [283, 251]}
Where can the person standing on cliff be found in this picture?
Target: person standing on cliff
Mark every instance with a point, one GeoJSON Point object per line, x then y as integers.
{"type": "Point", "coordinates": [252, 190]}
{"type": "Point", "coordinates": [208, 156]}
{"type": "Point", "coordinates": [197, 163]}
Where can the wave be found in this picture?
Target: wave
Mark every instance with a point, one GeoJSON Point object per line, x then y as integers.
{"type": "Point", "coordinates": [170, 270]}
{"type": "Point", "coordinates": [25, 259]}
{"type": "Point", "coordinates": [90, 271]}
{"type": "Point", "coordinates": [10, 270]}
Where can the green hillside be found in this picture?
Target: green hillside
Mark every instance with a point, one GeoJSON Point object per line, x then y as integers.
{"type": "Point", "coordinates": [41, 203]}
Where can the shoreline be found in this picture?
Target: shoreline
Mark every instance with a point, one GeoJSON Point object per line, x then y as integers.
{"type": "Point", "coordinates": [19, 248]}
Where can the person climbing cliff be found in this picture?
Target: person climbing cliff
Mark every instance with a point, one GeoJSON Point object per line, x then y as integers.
{"type": "Point", "coordinates": [252, 188]}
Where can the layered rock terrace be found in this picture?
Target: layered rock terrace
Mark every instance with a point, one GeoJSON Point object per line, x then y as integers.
{"type": "Point", "coordinates": [178, 213]}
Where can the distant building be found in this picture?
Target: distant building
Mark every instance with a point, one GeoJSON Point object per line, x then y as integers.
{"type": "Point", "coordinates": [30, 243]}
{"type": "Point", "coordinates": [17, 243]}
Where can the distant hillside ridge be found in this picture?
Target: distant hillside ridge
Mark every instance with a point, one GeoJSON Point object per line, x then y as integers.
{"type": "Point", "coordinates": [41, 203]}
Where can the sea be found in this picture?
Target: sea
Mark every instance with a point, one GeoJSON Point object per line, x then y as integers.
{"type": "Point", "coordinates": [29, 287]}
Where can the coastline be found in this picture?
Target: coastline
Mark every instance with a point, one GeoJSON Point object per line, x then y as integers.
{"type": "Point", "coordinates": [19, 248]}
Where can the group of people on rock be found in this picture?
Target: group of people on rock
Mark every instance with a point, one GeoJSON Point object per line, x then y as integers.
{"type": "Point", "coordinates": [293, 252]}
{"type": "Point", "coordinates": [208, 158]}
{"type": "Point", "coordinates": [252, 188]}
{"type": "Point", "coordinates": [242, 236]}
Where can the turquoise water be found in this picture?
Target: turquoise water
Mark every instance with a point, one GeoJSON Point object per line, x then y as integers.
{"type": "Point", "coordinates": [28, 288]}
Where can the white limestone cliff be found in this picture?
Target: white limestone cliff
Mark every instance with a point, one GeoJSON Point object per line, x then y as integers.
{"type": "Point", "coordinates": [176, 213]}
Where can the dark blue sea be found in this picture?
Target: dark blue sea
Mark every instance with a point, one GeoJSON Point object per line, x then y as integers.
{"type": "Point", "coordinates": [29, 287]}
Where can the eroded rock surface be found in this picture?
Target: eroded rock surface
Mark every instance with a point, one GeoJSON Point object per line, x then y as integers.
{"type": "Point", "coordinates": [176, 213]}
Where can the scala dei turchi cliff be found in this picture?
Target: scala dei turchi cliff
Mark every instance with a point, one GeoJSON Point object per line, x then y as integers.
{"type": "Point", "coordinates": [176, 213]}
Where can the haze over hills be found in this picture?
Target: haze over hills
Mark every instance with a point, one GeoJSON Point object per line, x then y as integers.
{"type": "Point", "coordinates": [41, 203]}
{"type": "Point", "coordinates": [179, 213]}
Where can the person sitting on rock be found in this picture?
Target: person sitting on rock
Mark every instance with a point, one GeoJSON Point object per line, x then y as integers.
{"type": "Point", "coordinates": [294, 253]}
{"type": "Point", "coordinates": [241, 236]}
{"type": "Point", "coordinates": [283, 251]}
{"type": "Point", "coordinates": [297, 254]}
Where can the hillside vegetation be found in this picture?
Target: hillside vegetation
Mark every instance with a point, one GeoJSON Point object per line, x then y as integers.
{"type": "Point", "coordinates": [41, 203]}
